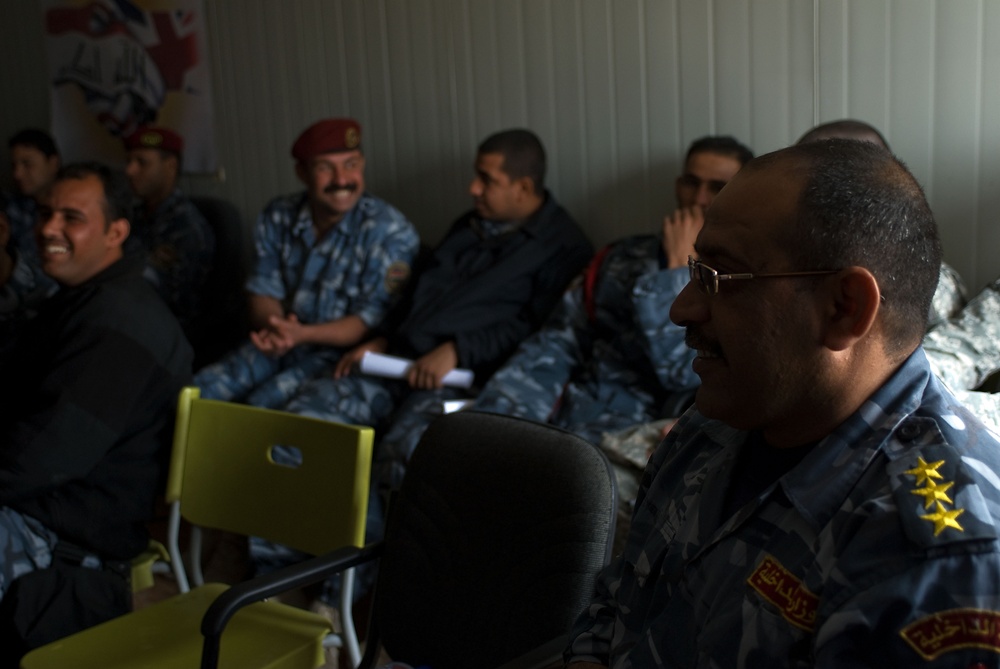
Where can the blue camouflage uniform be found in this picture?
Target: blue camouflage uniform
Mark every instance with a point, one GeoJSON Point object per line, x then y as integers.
{"type": "Point", "coordinates": [355, 269]}
{"type": "Point", "coordinates": [28, 285]}
{"type": "Point", "coordinates": [879, 548]}
{"type": "Point", "coordinates": [179, 246]}
{"type": "Point", "coordinates": [609, 356]}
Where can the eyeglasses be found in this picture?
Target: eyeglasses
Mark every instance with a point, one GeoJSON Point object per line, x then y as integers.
{"type": "Point", "coordinates": [708, 279]}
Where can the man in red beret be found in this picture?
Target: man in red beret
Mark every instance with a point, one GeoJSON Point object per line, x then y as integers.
{"type": "Point", "coordinates": [177, 240]}
{"type": "Point", "coordinates": [330, 261]}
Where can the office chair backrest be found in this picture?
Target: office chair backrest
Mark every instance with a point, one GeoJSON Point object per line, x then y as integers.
{"type": "Point", "coordinates": [493, 541]}
{"type": "Point", "coordinates": [222, 472]}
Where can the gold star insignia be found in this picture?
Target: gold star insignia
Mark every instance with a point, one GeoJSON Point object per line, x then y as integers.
{"type": "Point", "coordinates": [944, 518]}
{"type": "Point", "coordinates": [932, 492]}
{"type": "Point", "coordinates": [925, 472]}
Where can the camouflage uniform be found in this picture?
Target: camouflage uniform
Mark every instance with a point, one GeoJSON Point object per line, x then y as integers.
{"type": "Point", "coordinates": [608, 356]}
{"type": "Point", "coordinates": [25, 546]}
{"type": "Point", "coordinates": [179, 245]}
{"type": "Point", "coordinates": [949, 297]}
{"type": "Point", "coordinates": [966, 350]}
{"type": "Point", "coordinates": [352, 270]}
{"type": "Point", "coordinates": [28, 283]}
{"type": "Point", "coordinates": [879, 548]}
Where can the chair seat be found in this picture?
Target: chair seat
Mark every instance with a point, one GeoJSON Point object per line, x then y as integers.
{"type": "Point", "coordinates": [167, 634]}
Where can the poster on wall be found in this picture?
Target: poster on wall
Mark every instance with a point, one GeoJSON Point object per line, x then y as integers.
{"type": "Point", "coordinates": [115, 65]}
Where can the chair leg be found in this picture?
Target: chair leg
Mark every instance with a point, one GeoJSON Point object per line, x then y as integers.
{"type": "Point", "coordinates": [347, 617]}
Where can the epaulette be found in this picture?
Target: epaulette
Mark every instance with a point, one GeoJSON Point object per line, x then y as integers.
{"type": "Point", "coordinates": [939, 499]}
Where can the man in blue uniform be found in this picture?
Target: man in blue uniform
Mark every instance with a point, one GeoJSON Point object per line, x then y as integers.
{"type": "Point", "coordinates": [491, 281]}
{"type": "Point", "coordinates": [177, 241]}
{"type": "Point", "coordinates": [329, 263]}
{"type": "Point", "coordinates": [608, 357]}
{"type": "Point", "coordinates": [34, 162]}
{"type": "Point", "coordinates": [826, 502]}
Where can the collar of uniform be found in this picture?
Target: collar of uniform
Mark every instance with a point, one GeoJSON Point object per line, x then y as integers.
{"type": "Point", "coordinates": [487, 229]}
{"type": "Point", "coordinates": [824, 478]}
{"type": "Point", "coordinates": [351, 223]}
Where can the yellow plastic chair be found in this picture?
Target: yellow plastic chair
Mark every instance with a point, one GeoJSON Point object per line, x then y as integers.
{"type": "Point", "coordinates": [142, 565]}
{"type": "Point", "coordinates": [222, 476]}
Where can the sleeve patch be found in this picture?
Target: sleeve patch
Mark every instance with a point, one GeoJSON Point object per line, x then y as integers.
{"type": "Point", "coordinates": [781, 588]}
{"type": "Point", "coordinates": [396, 276]}
{"type": "Point", "coordinates": [936, 634]}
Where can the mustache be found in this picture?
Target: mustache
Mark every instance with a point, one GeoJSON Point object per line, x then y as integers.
{"type": "Point", "coordinates": [693, 338]}
{"type": "Point", "coordinates": [351, 187]}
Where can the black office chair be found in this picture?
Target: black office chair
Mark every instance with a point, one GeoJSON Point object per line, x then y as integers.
{"type": "Point", "coordinates": [492, 546]}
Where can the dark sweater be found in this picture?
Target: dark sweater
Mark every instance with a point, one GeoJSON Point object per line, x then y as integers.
{"type": "Point", "coordinates": [488, 293]}
{"type": "Point", "coordinates": [86, 410]}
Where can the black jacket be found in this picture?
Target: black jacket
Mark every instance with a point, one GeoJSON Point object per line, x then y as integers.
{"type": "Point", "coordinates": [86, 410]}
{"type": "Point", "coordinates": [487, 294]}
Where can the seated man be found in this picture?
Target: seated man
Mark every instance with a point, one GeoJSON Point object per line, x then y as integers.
{"type": "Point", "coordinates": [491, 281]}
{"type": "Point", "coordinates": [34, 163]}
{"type": "Point", "coordinates": [176, 240]}
{"type": "Point", "coordinates": [826, 502]}
{"type": "Point", "coordinates": [329, 263]}
{"type": "Point", "coordinates": [90, 386]}
{"type": "Point", "coordinates": [950, 296]}
{"type": "Point", "coordinates": [608, 357]}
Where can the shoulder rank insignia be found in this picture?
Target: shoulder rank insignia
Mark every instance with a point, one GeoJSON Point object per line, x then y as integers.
{"type": "Point", "coordinates": [935, 494]}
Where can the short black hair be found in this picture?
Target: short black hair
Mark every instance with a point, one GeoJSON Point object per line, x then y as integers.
{"type": "Point", "coordinates": [724, 145]}
{"type": "Point", "coordinates": [847, 128]}
{"type": "Point", "coordinates": [36, 138]}
{"type": "Point", "coordinates": [118, 198]}
{"type": "Point", "coordinates": [523, 155]}
{"type": "Point", "coordinates": [860, 206]}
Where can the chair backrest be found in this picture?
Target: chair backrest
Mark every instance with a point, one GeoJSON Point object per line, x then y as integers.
{"type": "Point", "coordinates": [223, 475]}
{"type": "Point", "coordinates": [493, 541]}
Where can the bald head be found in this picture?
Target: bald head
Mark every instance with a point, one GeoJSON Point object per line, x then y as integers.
{"type": "Point", "coordinates": [845, 129]}
{"type": "Point", "coordinates": [860, 206]}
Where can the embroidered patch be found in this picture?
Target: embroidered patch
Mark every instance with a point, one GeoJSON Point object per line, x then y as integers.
{"type": "Point", "coordinates": [936, 634]}
{"type": "Point", "coordinates": [780, 587]}
{"type": "Point", "coordinates": [935, 494]}
{"type": "Point", "coordinates": [396, 276]}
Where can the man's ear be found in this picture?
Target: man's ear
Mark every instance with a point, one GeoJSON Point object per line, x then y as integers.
{"type": "Point", "coordinates": [853, 303]}
{"type": "Point", "coordinates": [118, 231]}
{"type": "Point", "coordinates": [526, 187]}
{"type": "Point", "coordinates": [301, 173]}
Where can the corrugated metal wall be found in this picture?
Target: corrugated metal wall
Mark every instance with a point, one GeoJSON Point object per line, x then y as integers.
{"type": "Point", "coordinates": [615, 88]}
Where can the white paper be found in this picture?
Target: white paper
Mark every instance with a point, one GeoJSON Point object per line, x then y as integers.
{"type": "Point", "coordinates": [393, 367]}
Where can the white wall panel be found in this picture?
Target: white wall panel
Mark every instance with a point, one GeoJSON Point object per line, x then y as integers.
{"type": "Point", "coordinates": [954, 179]}
{"type": "Point", "coordinates": [615, 88]}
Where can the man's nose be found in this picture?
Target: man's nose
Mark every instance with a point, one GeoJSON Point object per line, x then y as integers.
{"type": "Point", "coordinates": [476, 187]}
{"type": "Point", "coordinates": [690, 306]}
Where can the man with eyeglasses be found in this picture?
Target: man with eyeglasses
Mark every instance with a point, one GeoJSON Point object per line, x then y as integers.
{"type": "Point", "coordinates": [608, 357]}
{"type": "Point", "coordinates": [826, 501]}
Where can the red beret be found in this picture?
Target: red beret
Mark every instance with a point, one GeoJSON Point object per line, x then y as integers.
{"type": "Point", "coordinates": [150, 137]}
{"type": "Point", "coordinates": [327, 136]}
